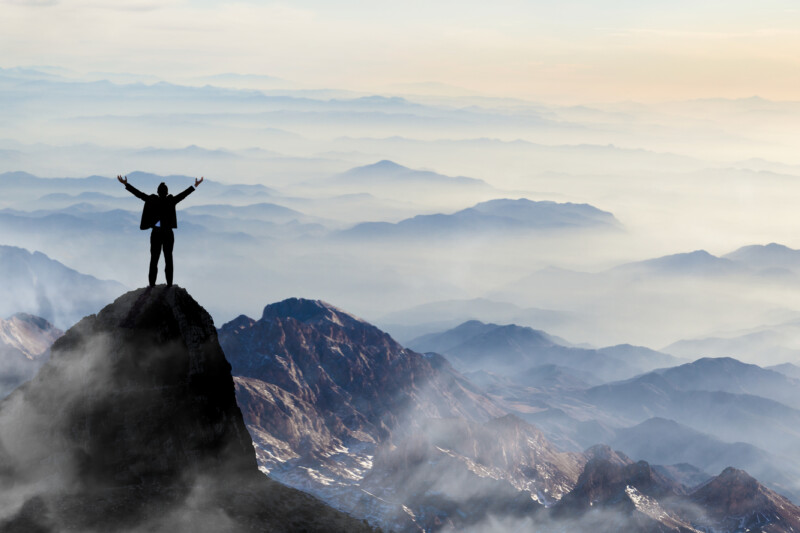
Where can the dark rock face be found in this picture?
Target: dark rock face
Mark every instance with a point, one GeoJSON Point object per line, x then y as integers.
{"type": "Point", "coordinates": [133, 423]}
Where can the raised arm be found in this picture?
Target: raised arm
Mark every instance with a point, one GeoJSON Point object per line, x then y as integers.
{"type": "Point", "coordinates": [189, 190]}
{"type": "Point", "coordinates": [131, 189]}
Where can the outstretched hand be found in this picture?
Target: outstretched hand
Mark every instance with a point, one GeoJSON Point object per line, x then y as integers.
{"type": "Point", "coordinates": [122, 180]}
{"type": "Point", "coordinates": [198, 182]}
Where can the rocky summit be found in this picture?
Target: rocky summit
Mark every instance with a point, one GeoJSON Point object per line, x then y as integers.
{"type": "Point", "coordinates": [132, 424]}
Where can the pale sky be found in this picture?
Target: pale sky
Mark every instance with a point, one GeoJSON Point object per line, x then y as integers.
{"type": "Point", "coordinates": [572, 51]}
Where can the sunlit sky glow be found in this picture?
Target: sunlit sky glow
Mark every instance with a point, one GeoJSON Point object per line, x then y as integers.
{"type": "Point", "coordinates": [570, 51]}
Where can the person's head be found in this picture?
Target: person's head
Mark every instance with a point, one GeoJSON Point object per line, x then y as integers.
{"type": "Point", "coordinates": [162, 190]}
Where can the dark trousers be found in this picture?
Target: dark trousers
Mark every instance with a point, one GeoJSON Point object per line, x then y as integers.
{"type": "Point", "coordinates": [161, 238]}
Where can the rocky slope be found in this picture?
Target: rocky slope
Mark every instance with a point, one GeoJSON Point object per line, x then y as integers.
{"type": "Point", "coordinates": [617, 494]}
{"type": "Point", "coordinates": [132, 424]}
{"type": "Point", "coordinates": [24, 343]}
{"type": "Point", "coordinates": [334, 405]}
{"type": "Point", "coordinates": [734, 501]}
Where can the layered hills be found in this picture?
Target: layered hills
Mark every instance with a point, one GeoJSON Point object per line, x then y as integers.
{"type": "Point", "coordinates": [511, 350]}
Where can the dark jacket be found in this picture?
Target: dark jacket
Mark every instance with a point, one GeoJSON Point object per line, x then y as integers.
{"type": "Point", "coordinates": [157, 208]}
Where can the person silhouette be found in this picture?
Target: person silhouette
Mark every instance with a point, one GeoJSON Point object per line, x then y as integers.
{"type": "Point", "coordinates": [159, 214]}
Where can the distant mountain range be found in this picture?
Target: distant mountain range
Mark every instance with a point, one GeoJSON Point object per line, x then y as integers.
{"type": "Point", "coordinates": [767, 344]}
{"type": "Point", "coordinates": [390, 173]}
{"type": "Point", "coordinates": [502, 217]}
{"type": "Point", "coordinates": [35, 284]}
{"type": "Point", "coordinates": [682, 295]}
{"type": "Point", "coordinates": [512, 350]}
{"type": "Point", "coordinates": [556, 387]}
{"type": "Point", "coordinates": [27, 186]}
{"type": "Point", "coordinates": [730, 375]}
{"type": "Point", "coordinates": [729, 416]}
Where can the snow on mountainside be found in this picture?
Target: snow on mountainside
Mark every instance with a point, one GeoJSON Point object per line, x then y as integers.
{"type": "Point", "coordinates": [734, 501]}
{"type": "Point", "coordinates": [24, 343]}
{"type": "Point", "coordinates": [620, 495]}
{"type": "Point", "coordinates": [31, 335]}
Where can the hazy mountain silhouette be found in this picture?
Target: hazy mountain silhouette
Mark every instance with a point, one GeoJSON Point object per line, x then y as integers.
{"type": "Point", "coordinates": [765, 345]}
{"type": "Point", "coordinates": [432, 317]}
{"type": "Point", "coordinates": [787, 369]}
{"type": "Point", "coordinates": [730, 375]}
{"type": "Point", "coordinates": [732, 417]}
{"type": "Point", "coordinates": [33, 283]}
{"type": "Point", "coordinates": [389, 172]}
{"type": "Point", "coordinates": [500, 217]}
{"type": "Point", "coordinates": [512, 350]}
{"type": "Point", "coordinates": [771, 256]}
{"type": "Point", "coordinates": [697, 263]}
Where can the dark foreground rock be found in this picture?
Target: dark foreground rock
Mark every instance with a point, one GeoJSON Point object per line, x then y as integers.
{"type": "Point", "coordinates": [133, 425]}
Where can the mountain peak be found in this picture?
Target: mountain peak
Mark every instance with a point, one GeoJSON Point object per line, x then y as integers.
{"type": "Point", "coordinates": [386, 164]}
{"type": "Point", "coordinates": [141, 426]}
{"type": "Point", "coordinates": [736, 497]}
{"type": "Point", "coordinates": [306, 311]}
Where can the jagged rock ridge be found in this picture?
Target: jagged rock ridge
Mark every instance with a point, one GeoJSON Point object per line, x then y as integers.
{"type": "Point", "coordinates": [336, 407]}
